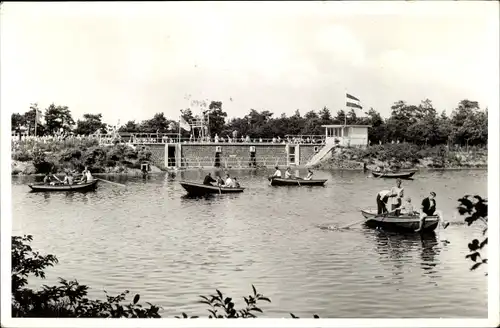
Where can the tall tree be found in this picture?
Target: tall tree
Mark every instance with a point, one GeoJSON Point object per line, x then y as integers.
{"type": "Point", "coordinates": [158, 124]}
{"type": "Point", "coordinates": [469, 123]}
{"type": "Point", "coordinates": [216, 118]}
{"type": "Point", "coordinates": [187, 114]}
{"type": "Point", "coordinates": [130, 126]}
{"type": "Point", "coordinates": [340, 117]}
{"type": "Point", "coordinates": [57, 118]}
{"type": "Point", "coordinates": [325, 116]}
{"type": "Point", "coordinates": [17, 121]}
{"type": "Point", "coordinates": [90, 124]}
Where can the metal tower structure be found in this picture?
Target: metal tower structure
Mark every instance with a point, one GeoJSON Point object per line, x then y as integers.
{"type": "Point", "coordinates": [201, 122]}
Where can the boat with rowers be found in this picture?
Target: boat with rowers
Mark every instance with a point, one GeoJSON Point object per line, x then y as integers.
{"type": "Point", "coordinates": [230, 186]}
{"type": "Point", "coordinates": [92, 185]}
{"type": "Point", "coordinates": [296, 182]}
{"type": "Point", "coordinates": [200, 189]}
{"type": "Point", "coordinates": [289, 180]}
{"type": "Point", "coordinates": [400, 223]}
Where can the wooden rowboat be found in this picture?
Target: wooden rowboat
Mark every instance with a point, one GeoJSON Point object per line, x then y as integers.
{"type": "Point", "coordinates": [64, 187]}
{"type": "Point", "coordinates": [402, 223]}
{"type": "Point", "coordinates": [296, 182]}
{"type": "Point", "coordinates": [199, 189]}
{"type": "Point", "coordinates": [394, 175]}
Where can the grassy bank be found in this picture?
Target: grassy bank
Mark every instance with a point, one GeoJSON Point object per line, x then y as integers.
{"type": "Point", "coordinates": [57, 156]}
{"type": "Point", "coordinates": [404, 156]}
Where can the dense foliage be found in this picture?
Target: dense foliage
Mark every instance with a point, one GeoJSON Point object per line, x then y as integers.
{"type": "Point", "coordinates": [74, 154]}
{"type": "Point", "coordinates": [476, 210]}
{"type": "Point", "coordinates": [69, 298]}
{"type": "Point", "coordinates": [419, 124]}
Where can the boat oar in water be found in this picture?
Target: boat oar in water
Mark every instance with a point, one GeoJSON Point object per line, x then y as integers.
{"type": "Point", "coordinates": [378, 216]}
{"type": "Point", "coordinates": [116, 183]}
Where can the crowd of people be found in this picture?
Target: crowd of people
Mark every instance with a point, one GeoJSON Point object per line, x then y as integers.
{"type": "Point", "coordinates": [396, 194]}
{"type": "Point", "coordinates": [70, 178]}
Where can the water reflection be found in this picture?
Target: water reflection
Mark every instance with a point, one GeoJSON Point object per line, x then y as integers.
{"type": "Point", "coordinates": [401, 249]}
{"type": "Point", "coordinates": [428, 254]}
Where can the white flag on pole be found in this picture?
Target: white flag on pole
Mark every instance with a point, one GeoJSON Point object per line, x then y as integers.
{"type": "Point", "coordinates": [183, 124]}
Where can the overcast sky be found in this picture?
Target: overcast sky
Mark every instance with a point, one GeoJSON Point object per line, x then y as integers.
{"type": "Point", "coordinates": [131, 60]}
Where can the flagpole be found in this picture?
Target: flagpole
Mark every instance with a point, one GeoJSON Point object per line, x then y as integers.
{"type": "Point", "coordinates": [36, 119]}
{"type": "Point", "coordinates": [345, 106]}
{"type": "Point", "coordinates": [179, 136]}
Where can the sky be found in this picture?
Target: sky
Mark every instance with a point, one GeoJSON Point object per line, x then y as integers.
{"type": "Point", "coordinates": [129, 61]}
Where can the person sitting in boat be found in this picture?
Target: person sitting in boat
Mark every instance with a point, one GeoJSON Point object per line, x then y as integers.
{"type": "Point", "coordinates": [398, 194]}
{"type": "Point", "coordinates": [68, 178]}
{"type": "Point", "coordinates": [47, 180]}
{"type": "Point", "coordinates": [219, 181]}
{"type": "Point", "coordinates": [429, 209]}
{"type": "Point", "coordinates": [90, 178]}
{"type": "Point", "coordinates": [406, 208]}
{"type": "Point", "coordinates": [288, 173]}
{"type": "Point", "coordinates": [382, 199]}
{"type": "Point", "coordinates": [84, 175]}
{"type": "Point", "coordinates": [309, 175]}
{"type": "Point", "coordinates": [229, 182]}
{"type": "Point", "coordinates": [236, 183]}
{"type": "Point", "coordinates": [208, 180]}
{"type": "Point", "coordinates": [277, 173]}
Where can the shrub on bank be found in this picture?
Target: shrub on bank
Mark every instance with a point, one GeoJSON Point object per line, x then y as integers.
{"type": "Point", "coordinates": [406, 155]}
{"type": "Point", "coordinates": [74, 154]}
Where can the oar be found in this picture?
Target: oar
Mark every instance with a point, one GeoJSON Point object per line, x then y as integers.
{"type": "Point", "coordinates": [351, 224]}
{"type": "Point", "coordinates": [116, 183]}
{"type": "Point", "coordinates": [57, 178]}
{"type": "Point", "coordinates": [377, 216]}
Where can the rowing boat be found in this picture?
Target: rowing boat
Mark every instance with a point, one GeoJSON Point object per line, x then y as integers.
{"type": "Point", "coordinates": [64, 187]}
{"type": "Point", "coordinates": [401, 223]}
{"type": "Point", "coordinates": [200, 189]}
{"type": "Point", "coordinates": [296, 182]}
{"type": "Point", "coordinates": [394, 175]}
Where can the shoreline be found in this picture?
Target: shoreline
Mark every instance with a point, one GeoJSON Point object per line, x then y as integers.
{"type": "Point", "coordinates": [167, 171]}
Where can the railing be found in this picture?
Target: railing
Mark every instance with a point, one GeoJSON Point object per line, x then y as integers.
{"type": "Point", "coordinates": [163, 138]}
{"type": "Point", "coordinates": [231, 162]}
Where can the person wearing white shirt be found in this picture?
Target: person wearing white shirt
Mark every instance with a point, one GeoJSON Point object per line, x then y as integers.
{"type": "Point", "coordinates": [382, 199]}
{"type": "Point", "coordinates": [228, 182]}
{"type": "Point", "coordinates": [397, 193]}
{"type": "Point", "coordinates": [277, 173]}
{"type": "Point", "coordinates": [309, 175]}
{"type": "Point", "coordinates": [288, 173]}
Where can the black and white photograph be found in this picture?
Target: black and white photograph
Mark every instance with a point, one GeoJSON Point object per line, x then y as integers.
{"type": "Point", "coordinates": [286, 164]}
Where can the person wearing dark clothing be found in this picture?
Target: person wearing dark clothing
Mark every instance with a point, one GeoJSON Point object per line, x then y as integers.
{"type": "Point", "coordinates": [429, 209]}
{"type": "Point", "coordinates": [429, 204]}
{"type": "Point", "coordinates": [47, 180]}
{"type": "Point", "coordinates": [208, 180]}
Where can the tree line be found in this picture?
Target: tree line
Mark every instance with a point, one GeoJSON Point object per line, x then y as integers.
{"type": "Point", "coordinates": [418, 124]}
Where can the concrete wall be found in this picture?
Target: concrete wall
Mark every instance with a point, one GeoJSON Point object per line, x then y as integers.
{"type": "Point", "coordinates": [157, 153]}
{"type": "Point", "coordinates": [307, 152]}
{"type": "Point", "coordinates": [231, 155]}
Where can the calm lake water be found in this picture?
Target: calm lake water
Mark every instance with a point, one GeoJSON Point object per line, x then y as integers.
{"type": "Point", "coordinates": [150, 239]}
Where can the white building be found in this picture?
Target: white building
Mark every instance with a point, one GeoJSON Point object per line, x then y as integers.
{"type": "Point", "coordinates": [347, 135]}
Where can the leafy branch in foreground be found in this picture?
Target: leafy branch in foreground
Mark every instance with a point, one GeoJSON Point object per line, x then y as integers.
{"type": "Point", "coordinates": [69, 299]}
{"type": "Point", "coordinates": [476, 209]}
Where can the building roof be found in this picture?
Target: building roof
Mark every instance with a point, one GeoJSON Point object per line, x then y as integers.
{"type": "Point", "coordinates": [347, 126]}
